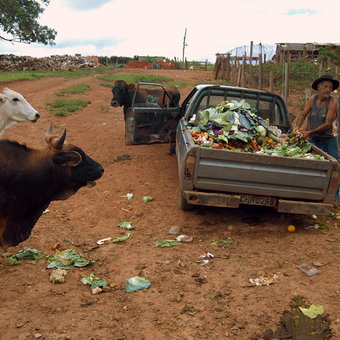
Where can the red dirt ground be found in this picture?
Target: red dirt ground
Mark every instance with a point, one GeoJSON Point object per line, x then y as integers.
{"type": "Point", "coordinates": [186, 299]}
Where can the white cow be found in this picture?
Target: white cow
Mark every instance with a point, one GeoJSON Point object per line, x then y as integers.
{"type": "Point", "coordinates": [14, 108]}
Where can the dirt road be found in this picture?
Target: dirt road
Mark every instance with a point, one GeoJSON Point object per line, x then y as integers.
{"type": "Point", "coordinates": [187, 299]}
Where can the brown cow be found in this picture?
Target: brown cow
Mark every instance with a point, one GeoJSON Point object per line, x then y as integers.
{"type": "Point", "coordinates": [123, 95]}
{"type": "Point", "coordinates": [30, 179]}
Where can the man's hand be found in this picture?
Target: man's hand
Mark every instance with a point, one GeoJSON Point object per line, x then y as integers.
{"type": "Point", "coordinates": [305, 134]}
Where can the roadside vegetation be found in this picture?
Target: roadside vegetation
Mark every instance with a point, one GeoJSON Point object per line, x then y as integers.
{"type": "Point", "coordinates": [75, 89]}
{"type": "Point", "coordinates": [63, 107]}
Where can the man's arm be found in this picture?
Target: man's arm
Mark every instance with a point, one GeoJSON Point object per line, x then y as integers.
{"type": "Point", "coordinates": [304, 114]}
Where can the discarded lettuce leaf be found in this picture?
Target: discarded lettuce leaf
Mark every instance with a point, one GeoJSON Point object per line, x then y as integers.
{"type": "Point", "coordinates": [94, 281]}
{"type": "Point", "coordinates": [67, 259]}
{"type": "Point", "coordinates": [121, 239]}
{"type": "Point", "coordinates": [125, 225]}
{"type": "Point", "coordinates": [29, 254]}
{"type": "Point", "coordinates": [227, 240]}
{"type": "Point", "coordinates": [128, 196]}
{"type": "Point", "coordinates": [146, 199]}
{"type": "Point", "coordinates": [11, 260]}
{"type": "Point", "coordinates": [166, 243]}
{"type": "Point", "coordinates": [324, 226]}
{"type": "Point", "coordinates": [313, 311]}
{"type": "Point", "coordinates": [136, 283]}
{"type": "Point", "coordinates": [179, 238]}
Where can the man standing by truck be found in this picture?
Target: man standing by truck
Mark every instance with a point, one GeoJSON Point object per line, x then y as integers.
{"type": "Point", "coordinates": [321, 110]}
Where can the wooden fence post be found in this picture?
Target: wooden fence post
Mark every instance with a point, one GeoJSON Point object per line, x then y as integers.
{"type": "Point", "coordinates": [260, 68]}
{"type": "Point", "coordinates": [271, 81]}
{"type": "Point", "coordinates": [243, 70]}
{"type": "Point", "coordinates": [251, 64]}
{"type": "Point", "coordinates": [228, 67]}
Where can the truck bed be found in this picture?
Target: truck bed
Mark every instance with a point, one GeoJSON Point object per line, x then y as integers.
{"type": "Point", "coordinates": [244, 175]}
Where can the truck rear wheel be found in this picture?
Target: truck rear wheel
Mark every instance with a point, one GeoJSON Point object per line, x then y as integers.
{"type": "Point", "coordinates": [183, 204]}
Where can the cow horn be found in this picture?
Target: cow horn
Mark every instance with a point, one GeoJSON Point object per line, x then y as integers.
{"type": "Point", "coordinates": [59, 142]}
{"type": "Point", "coordinates": [48, 134]}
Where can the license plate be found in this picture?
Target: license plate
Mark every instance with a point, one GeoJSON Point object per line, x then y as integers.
{"type": "Point", "coordinates": [258, 200]}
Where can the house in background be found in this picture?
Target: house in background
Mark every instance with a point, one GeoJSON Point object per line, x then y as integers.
{"type": "Point", "coordinates": [305, 51]}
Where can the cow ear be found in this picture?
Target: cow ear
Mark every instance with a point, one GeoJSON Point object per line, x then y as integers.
{"type": "Point", "coordinates": [72, 158]}
{"type": "Point", "coordinates": [2, 97]}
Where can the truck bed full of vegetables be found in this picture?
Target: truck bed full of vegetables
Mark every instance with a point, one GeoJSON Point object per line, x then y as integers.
{"type": "Point", "coordinates": [236, 126]}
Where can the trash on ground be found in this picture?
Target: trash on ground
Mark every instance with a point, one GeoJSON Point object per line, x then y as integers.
{"type": "Point", "coordinates": [129, 208]}
{"type": "Point", "coordinates": [25, 254]}
{"type": "Point", "coordinates": [128, 196]}
{"type": "Point", "coordinates": [315, 226]}
{"type": "Point", "coordinates": [136, 283]}
{"type": "Point", "coordinates": [263, 280]}
{"type": "Point", "coordinates": [96, 290]}
{"type": "Point", "coordinates": [313, 311]}
{"type": "Point", "coordinates": [104, 240]}
{"type": "Point", "coordinates": [125, 225]}
{"type": "Point", "coordinates": [184, 238]}
{"type": "Point", "coordinates": [93, 281]}
{"type": "Point", "coordinates": [56, 246]}
{"type": "Point", "coordinates": [291, 228]}
{"type": "Point", "coordinates": [45, 211]}
{"type": "Point", "coordinates": [166, 243]}
{"type": "Point", "coordinates": [226, 240]}
{"type": "Point", "coordinates": [334, 215]}
{"type": "Point", "coordinates": [12, 260]}
{"type": "Point", "coordinates": [58, 275]}
{"type": "Point", "coordinates": [307, 269]}
{"type": "Point", "coordinates": [67, 259]}
{"type": "Point", "coordinates": [174, 230]}
{"type": "Point", "coordinates": [314, 217]}
{"type": "Point", "coordinates": [121, 239]}
{"type": "Point", "coordinates": [205, 257]}
{"type": "Point", "coordinates": [29, 254]}
{"type": "Point", "coordinates": [146, 199]}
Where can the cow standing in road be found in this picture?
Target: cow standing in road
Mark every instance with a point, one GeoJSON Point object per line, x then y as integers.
{"type": "Point", "coordinates": [123, 95]}
{"type": "Point", "coordinates": [30, 179]}
{"type": "Point", "coordinates": [14, 108]}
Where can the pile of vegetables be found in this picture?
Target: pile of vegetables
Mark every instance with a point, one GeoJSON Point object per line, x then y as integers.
{"type": "Point", "coordinates": [236, 126]}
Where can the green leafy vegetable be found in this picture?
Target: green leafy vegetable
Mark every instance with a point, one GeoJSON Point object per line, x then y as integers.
{"type": "Point", "coordinates": [125, 225]}
{"type": "Point", "coordinates": [29, 254]}
{"type": "Point", "coordinates": [313, 311]}
{"type": "Point", "coordinates": [227, 240]}
{"type": "Point", "coordinates": [166, 243]}
{"type": "Point", "coordinates": [93, 281]}
{"type": "Point", "coordinates": [128, 196]}
{"type": "Point", "coordinates": [11, 260]}
{"type": "Point", "coordinates": [146, 199]}
{"type": "Point", "coordinates": [136, 283]}
{"type": "Point", "coordinates": [121, 239]}
{"type": "Point", "coordinates": [67, 259]}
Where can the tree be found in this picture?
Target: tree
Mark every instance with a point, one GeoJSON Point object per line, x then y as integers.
{"type": "Point", "coordinates": [18, 22]}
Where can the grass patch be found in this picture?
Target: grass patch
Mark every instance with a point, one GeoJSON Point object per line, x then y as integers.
{"type": "Point", "coordinates": [34, 75]}
{"type": "Point", "coordinates": [63, 107]}
{"type": "Point", "coordinates": [75, 89]}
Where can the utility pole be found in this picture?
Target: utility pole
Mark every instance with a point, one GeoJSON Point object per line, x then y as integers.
{"type": "Point", "coordinates": [184, 44]}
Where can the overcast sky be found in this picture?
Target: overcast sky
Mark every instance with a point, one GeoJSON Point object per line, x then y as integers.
{"type": "Point", "coordinates": [156, 28]}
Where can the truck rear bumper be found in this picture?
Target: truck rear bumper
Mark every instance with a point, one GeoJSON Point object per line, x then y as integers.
{"type": "Point", "coordinates": [234, 201]}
